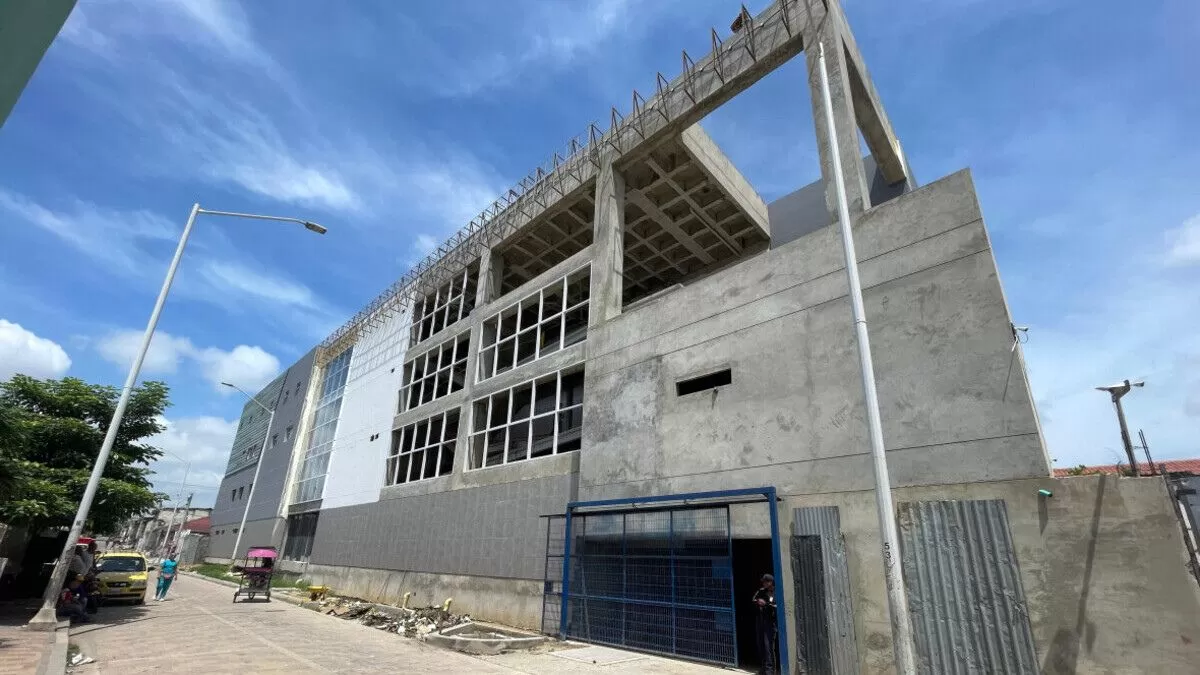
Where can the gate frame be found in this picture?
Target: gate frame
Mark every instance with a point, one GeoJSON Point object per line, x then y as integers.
{"type": "Point", "coordinates": [715, 498]}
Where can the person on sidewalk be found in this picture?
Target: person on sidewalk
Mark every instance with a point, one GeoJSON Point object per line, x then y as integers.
{"type": "Point", "coordinates": [166, 575]}
{"type": "Point", "coordinates": [70, 601]}
{"type": "Point", "coordinates": [766, 630]}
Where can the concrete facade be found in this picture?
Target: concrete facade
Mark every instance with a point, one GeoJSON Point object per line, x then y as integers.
{"type": "Point", "coordinates": [264, 517]}
{"type": "Point", "coordinates": [27, 28]}
{"type": "Point", "coordinates": [637, 321]}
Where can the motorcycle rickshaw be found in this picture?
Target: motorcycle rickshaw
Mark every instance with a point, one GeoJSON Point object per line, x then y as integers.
{"type": "Point", "coordinates": [256, 573]}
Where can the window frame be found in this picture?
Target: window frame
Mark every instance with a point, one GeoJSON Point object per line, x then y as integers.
{"type": "Point", "coordinates": [446, 442]}
{"type": "Point", "coordinates": [478, 446]}
{"type": "Point", "coordinates": [432, 372]}
{"type": "Point", "coordinates": [496, 340]}
{"type": "Point", "coordinates": [452, 301]}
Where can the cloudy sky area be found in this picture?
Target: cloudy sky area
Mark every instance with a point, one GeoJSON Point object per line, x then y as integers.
{"type": "Point", "coordinates": [394, 123]}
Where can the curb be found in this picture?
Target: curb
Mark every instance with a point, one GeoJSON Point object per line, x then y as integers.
{"type": "Point", "coordinates": [55, 661]}
{"type": "Point", "coordinates": [286, 597]}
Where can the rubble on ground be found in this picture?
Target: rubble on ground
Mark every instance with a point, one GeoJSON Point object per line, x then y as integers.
{"type": "Point", "coordinates": [413, 623]}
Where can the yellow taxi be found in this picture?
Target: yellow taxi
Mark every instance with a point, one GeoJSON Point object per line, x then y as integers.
{"type": "Point", "coordinates": [122, 576]}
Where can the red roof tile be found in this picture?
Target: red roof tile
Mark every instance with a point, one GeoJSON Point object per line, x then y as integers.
{"type": "Point", "coordinates": [1191, 466]}
{"type": "Point", "coordinates": [200, 525]}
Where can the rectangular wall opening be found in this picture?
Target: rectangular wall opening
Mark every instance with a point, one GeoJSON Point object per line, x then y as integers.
{"type": "Point", "coordinates": [720, 378]}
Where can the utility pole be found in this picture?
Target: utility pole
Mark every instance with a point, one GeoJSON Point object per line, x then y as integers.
{"type": "Point", "coordinates": [1117, 391]}
{"type": "Point", "coordinates": [1146, 449]}
{"type": "Point", "coordinates": [174, 545]}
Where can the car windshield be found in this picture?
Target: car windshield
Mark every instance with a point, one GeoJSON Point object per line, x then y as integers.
{"type": "Point", "coordinates": [122, 564]}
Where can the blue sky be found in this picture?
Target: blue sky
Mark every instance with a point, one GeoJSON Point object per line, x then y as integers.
{"type": "Point", "coordinates": [394, 123]}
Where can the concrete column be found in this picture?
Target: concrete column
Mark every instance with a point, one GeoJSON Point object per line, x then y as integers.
{"type": "Point", "coordinates": [825, 27]}
{"type": "Point", "coordinates": [485, 290]}
{"type": "Point", "coordinates": [608, 247]}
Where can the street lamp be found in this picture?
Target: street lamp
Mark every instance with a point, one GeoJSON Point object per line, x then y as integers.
{"type": "Point", "coordinates": [237, 542]}
{"type": "Point", "coordinates": [45, 618]}
{"type": "Point", "coordinates": [1118, 391]}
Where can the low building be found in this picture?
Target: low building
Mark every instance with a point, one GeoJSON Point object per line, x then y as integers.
{"type": "Point", "coordinates": [630, 388]}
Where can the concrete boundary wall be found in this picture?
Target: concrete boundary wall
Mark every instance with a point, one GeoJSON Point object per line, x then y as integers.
{"type": "Point", "coordinates": [1102, 564]}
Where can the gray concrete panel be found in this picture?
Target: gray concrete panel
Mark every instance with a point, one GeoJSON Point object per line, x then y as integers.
{"type": "Point", "coordinates": [486, 531]}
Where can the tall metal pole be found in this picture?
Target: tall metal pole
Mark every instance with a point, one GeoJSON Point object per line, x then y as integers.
{"type": "Point", "coordinates": [1146, 449]}
{"type": "Point", "coordinates": [902, 642]}
{"type": "Point", "coordinates": [167, 535]}
{"type": "Point", "coordinates": [172, 543]}
{"type": "Point", "coordinates": [1125, 440]}
{"type": "Point", "coordinates": [45, 618]}
{"type": "Point", "coordinates": [237, 541]}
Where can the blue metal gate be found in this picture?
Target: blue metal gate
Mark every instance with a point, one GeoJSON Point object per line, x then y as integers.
{"type": "Point", "coordinates": [653, 580]}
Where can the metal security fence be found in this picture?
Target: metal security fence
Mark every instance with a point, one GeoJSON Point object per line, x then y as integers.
{"type": "Point", "coordinates": [655, 580]}
{"type": "Point", "coordinates": [556, 529]}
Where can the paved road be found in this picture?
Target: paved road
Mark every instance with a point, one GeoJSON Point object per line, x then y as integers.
{"type": "Point", "coordinates": [199, 630]}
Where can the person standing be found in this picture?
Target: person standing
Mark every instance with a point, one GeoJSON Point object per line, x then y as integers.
{"type": "Point", "coordinates": [166, 575]}
{"type": "Point", "coordinates": [766, 629]}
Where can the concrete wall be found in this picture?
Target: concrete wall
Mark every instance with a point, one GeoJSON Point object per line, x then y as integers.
{"type": "Point", "coordinates": [1102, 563]}
{"type": "Point", "coordinates": [954, 397]}
{"type": "Point", "coordinates": [483, 531]}
{"type": "Point", "coordinates": [287, 393]}
{"type": "Point", "coordinates": [26, 31]}
{"type": "Point", "coordinates": [264, 532]}
{"type": "Point", "coordinates": [369, 401]}
{"type": "Point", "coordinates": [513, 602]}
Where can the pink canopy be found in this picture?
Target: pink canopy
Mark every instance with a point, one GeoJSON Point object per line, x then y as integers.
{"type": "Point", "coordinates": [260, 553]}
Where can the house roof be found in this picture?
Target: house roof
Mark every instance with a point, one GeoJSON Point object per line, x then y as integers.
{"type": "Point", "coordinates": [1191, 466]}
{"type": "Point", "coordinates": [200, 525]}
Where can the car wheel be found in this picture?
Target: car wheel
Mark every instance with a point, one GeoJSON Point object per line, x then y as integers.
{"type": "Point", "coordinates": [140, 601]}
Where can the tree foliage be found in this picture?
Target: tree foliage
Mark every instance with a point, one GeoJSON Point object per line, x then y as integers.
{"type": "Point", "coordinates": [50, 434]}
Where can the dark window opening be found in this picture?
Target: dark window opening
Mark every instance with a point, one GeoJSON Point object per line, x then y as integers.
{"type": "Point", "coordinates": [720, 378]}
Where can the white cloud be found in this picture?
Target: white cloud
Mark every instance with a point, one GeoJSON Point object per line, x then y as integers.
{"type": "Point", "coordinates": [164, 355]}
{"type": "Point", "coordinates": [249, 367]}
{"type": "Point", "coordinates": [204, 442]}
{"type": "Point", "coordinates": [226, 276]}
{"type": "Point", "coordinates": [117, 239]}
{"type": "Point", "coordinates": [21, 351]}
{"type": "Point", "coordinates": [1183, 243]}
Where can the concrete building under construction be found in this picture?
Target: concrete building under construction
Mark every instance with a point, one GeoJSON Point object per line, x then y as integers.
{"type": "Point", "coordinates": [630, 387]}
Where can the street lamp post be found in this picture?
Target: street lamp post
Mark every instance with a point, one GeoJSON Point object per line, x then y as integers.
{"type": "Point", "coordinates": [237, 541]}
{"type": "Point", "coordinates": [1118, 391]}
{"type": "Point", "coordinates": [45, 618]}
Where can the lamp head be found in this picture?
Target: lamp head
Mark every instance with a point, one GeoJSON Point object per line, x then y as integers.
{"type": "Point", "coordinates": [314, 227]}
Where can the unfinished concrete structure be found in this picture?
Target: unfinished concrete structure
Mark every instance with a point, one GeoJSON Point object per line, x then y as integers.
{"type": "Point", "coordinates": [633, 322]}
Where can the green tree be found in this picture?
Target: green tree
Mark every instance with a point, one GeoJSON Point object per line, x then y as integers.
{"type": "Point", "coordinates": [50, 434]}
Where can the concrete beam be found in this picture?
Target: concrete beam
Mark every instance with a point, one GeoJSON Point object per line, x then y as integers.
{"type": "Point", "coordinates": [608, 249]}
{"type": "Point", "coordinates": [872, 118]}
{"type": "Point", "coordinates": [722, 173]}
{"type": "Point", "coordinates": [827, 30]}
{"type": "Point", "coordinates": [664, 221]}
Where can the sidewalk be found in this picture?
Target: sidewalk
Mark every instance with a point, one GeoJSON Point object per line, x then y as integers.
{"type": "Point", "coordinates": [22, 651]}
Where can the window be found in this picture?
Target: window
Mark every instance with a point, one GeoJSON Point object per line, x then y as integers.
{"type": "Point", "coordinates": [285, 395]}
{"type": "Point", "coordinates": [233, 495]}
{"type": "Point", "coordinates": [239, 492]}
{"type": "Point", "coordinates": [452, 301]}
{"type": "Point", "coordinates": [704, 382]}
{"type": "Point", "coordinates": [535, 419]}
{"type": "Point", "coordinates": [301, 530]}
{"type": "Point", "coordinates": [435, 373]}
{"type": "Point", "coordinates": [298, 388]}
{"type": "Point", "coordinates": [274, 440]}
{"type": "Point", "coordinates": [423, 449]}
{"type": "Point", "coordinates": [310, 484]}
{"type": "Point", "coordinates": [538, 325]}
{"type": "Point", "coordinates": [287, 435]}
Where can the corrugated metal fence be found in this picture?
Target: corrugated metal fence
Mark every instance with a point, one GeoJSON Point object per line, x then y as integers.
{"type": "Point", "coordinates": [964, 588]}
{"type": "Point", "coordinates": [824, 611]}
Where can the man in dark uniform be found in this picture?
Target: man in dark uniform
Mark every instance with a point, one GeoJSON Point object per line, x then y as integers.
{"type": "Point", "coordinates": [766, 630]}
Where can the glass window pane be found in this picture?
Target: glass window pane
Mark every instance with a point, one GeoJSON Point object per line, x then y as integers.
{"type": "Point", "coordinates": [552, 300]}
{"type": "Point", "coordinates": [572, 389]}
{"type": "Point", "coordinates": [506, 352]}
{"type": "Point", "coordinates": [422, 434]}
{"type": "Point", "coordinates": [576, 326]}
{"type": "Point", "coordinates": [499, 409]}
{"type": "Point", "coordinates": [443, 383]}
{"type": "Point", "coordinates": [489, 332]}
{"type": "Point", "coordinates": [390, 476]}
{"type": "Point", "coordinates": [529, 312]}
{"type": "Point", "coordinates": [547, 395]}
{"type": "Point", "coordinates": [518, 441]}
{"type": "Point", "coordinates": [451, 431]}
{"type": "Point", "coordinates": [477, 450]}
{"type": "Point", "coordinates": [495, 447]}
{"type": "Point", "coordinates": [446, 460]}
{"type": "Point", "coordinates": [414, 469]}
{"type": "Point", "coordinates": [487, 363]}
{"type": "Point", "coordinates": [577, 288]}
{"type": "Point", "coordinates": [550, 336]}
{"type": "Point", "coordinates": [526, 346]}
{"type": "Point", "coordinates": [431, 462]}
{"type": "Point", "coordinates": [402, 463]}
{"type": "Point", "coordinates": [479, 415]}
{"type": "Point", "coordinates": [508, 323]}
{"type": "Point", "coordinates": [522, 400]}
{"type": "Point", "coordinates": [570, 428]}
{"type": "Point", "coordinates": [435, 430]}
{"type": "Point", "coordinates": [543, 436]}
